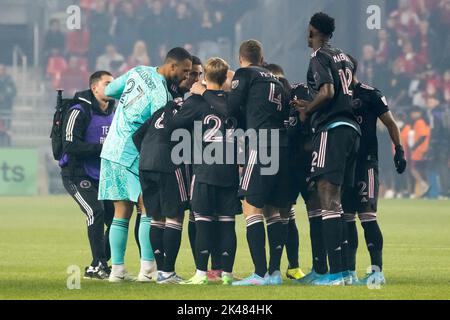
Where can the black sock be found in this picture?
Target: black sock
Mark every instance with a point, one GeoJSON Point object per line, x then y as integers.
{"type": "Point", "coordinates": [275, 235]}
{"type": "Point", "coordinates": [228, 243]}
{"type": "Point", "coordinates": [293, 242]}
{"type": "Point", "coordinates": [352, 236]}
{"type": "Point", "coordinates": [285, 236]}
{"type": "Point", "coordinates": [319, 253]}
{"type": "Point", "coordinates": [345, 251]}
{"type": "Point", "coordinates": [136, 231]}
{"type": "Point", "coordinates": [203, 241]}
{"type": "Point", "coordinates": [256, 238]}
{"type": "Point", "coordinates": [191, 233]}
{"type": "Point", "coordinates": [332, 232]}
{"type": "Point", "coordinates": [216, 256]}
{"type": "Point", "coordinates": [374, 241]}
{"type": "Point", "coordinates": [172, 242]}
{"type": "Point", "coordinates": [157, 241]}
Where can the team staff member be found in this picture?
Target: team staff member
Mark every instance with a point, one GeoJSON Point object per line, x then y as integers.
{"type": "Point", "coordinates": [85, 128]}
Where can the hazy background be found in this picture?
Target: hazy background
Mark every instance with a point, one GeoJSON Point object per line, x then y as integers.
{"type": "Point", "coordinates": [408, 58]}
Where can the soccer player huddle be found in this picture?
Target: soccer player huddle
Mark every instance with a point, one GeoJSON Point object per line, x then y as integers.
{"type": "Point", "coordinates": [242, 143]}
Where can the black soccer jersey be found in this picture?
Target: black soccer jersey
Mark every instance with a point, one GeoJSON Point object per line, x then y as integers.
{"type": "Point", "coordinates": [369, 104]}
{"type": "Point", "coordinates": [259, 96]}
{"type": "Point", "coordinates": [298, 132]}
{"type": "Point", "coordinates": [330, 65]}
{"type": "Point", "coordinates": [153, 142]}
{"type": "Point", "coordinates": [177, 96]}
{"type": "Point", "coordinates": [216, 137]}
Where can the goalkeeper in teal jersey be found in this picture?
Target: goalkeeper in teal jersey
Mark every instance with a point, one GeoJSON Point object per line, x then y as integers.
{"type": "Point", "coordinates": [141, 92]}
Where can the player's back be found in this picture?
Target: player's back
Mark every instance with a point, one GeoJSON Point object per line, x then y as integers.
{"type": "Point", "coordinates": [217, 134]}
{"type": "Point", "coordinates": [265, 105]}
{"type": "Point", "coordinates": [156, 146]}
{"type": "Point", "coordinates": [369, 104]}
{"type": "Point", "coordinates": [331, 65]}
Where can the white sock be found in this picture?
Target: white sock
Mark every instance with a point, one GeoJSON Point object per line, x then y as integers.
{"type": "Point", "coordinates": [118, 269]}
{"type": "Point", "coordinates": [200, 273]}
{"type": "Point", "coordinates": [227, 274]}
{"type": "Point", "coordinates": [147, 266]}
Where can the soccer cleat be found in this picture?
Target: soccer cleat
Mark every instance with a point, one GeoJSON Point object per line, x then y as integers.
{"type": "Point", "coordinates": [372, 279]}
{"type": "Point", "coordinates": [227, 281]}
{"type": "Point", "coordinates": [196, 280]}
{"type": "Point", "coordinates": [97, 273]}
{"type": "Point", "coordinates": [171, 279]}
{"type": "Point", "coordinates": [147, 277]}
{"type": "Point", "coordinates": [295, 274]}
{"type": "Point", "coordinates": [330, 280]}
{"type": "Point", "coordinates": [253, 280]}
{"type": "Point", "coordinates": [105, 268]}
{"type": "Point", "coordinates": [274, 279]}
{"type": "Point", "coordinates": [214, 275]}
{"type": "Point", "coordinates": [309, 278]}
{"type": "Point", "coordinates": [88, 272]}
{"type": "Point", "coordinates": [121, 277]}
{"type": "Point", "coordinates": [350, 277]}
{"type": "Point", "coordinates": [150, 275]}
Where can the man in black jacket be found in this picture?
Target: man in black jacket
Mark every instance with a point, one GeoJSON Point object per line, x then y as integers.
{"type": "Point", "coordinates": [85, 128]}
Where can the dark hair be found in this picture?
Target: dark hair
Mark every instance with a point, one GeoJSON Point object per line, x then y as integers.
{"type": "Point", "coordinates": [274, 68]}
{"type": "Point", "coordinates": [252, 51]}
{"type": "Point", "coordinates": [96, 76]}
{"type": "Point", "coordinates": [355, 63]}
{"type": "Point", "coordinates": [323, 23]}
{"type": "Point", "coordinates": [196, 61]}
{"type": "Point", "coordinates": [178, 54]}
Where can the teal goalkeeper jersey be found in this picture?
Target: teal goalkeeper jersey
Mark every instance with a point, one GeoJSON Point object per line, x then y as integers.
{"type": "Point", "coordinates": [142, 91]}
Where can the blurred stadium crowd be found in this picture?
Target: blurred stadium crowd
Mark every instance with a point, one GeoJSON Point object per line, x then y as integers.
{"type": "Point", "coordinates": [409, 61]}
{"type": "Point", "coordinates": [124, 34]}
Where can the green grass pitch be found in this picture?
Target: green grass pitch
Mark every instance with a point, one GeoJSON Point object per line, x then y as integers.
{"type": "Point", "coordinates": [41, 237]}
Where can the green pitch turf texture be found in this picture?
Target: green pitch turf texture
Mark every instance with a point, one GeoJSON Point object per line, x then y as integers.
{"type": "Point", "coordinates": [41, 237]}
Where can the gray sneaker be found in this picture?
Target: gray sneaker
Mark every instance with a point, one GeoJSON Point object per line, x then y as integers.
{"type": "Point", "coordinates": [171, 279]}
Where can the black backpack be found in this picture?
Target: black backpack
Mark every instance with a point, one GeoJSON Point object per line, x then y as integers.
{"type": "Point", "coordinates": [56, 135]}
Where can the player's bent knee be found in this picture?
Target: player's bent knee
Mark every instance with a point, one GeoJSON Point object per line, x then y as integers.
{"type": "Point", "coordinates": [250, 210]}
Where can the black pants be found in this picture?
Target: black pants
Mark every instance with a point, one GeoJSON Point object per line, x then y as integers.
{"type": "Point", "coordinates": [84, 191]}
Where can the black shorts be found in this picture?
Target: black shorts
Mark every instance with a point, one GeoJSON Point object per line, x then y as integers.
{"type": "Point", "coordinates": [363, 197]}
{"type": "Point", "coordinates": [215, 201]}
{"type": "Point", "coordinates": [165, 194]}
{"type": "Point", "coordinates": [261, 188]}
{"type": "Point", "coordinates": [334, 155]}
